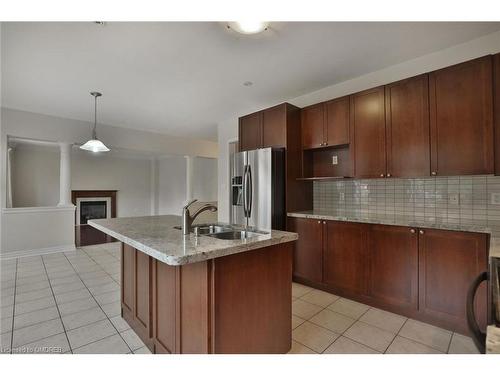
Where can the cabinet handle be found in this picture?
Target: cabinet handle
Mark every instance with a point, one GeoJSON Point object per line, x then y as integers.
{"type": "Point", "coordinates": [324, 222]}
{"type": "Point", "coordinates": [388, 175]}
{"type": "Point", "coordinates": [421, 231]}
{"type": "Point", "coordinates": [412, 230]}
{"type": "Point", "coordinates": [319, 221]}
{"type": "Point", "coordinates": [326, 144]}
{"type": "Point", "coordinates": [381, 175]}
{"type": "Point", "coordinates": [433, 173]}
{"type": "Point", "coordinates": [321, 144]}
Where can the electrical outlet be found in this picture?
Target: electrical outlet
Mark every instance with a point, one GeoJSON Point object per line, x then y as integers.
{"type": "Point", "coordinates": [495, 198]}
{"type": "Point", "coordinates": [454, 199]}
{"type": "Point", "coordinates": [335, 160]}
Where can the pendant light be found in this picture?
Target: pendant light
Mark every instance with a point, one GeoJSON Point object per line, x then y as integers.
{"type": "Point", "coordinates": [94, 144]}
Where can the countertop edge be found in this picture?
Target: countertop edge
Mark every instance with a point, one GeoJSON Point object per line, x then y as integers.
{"type": "Point", "coordinates": [179, 260]}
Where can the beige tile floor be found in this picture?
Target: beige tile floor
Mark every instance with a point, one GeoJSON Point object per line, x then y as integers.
{"type": "Point", "coordinates": [70, 303]}
{"type": "Point", "coordinates": [65, 303]}
{"type": "Point", "coordinates": [328, 324]}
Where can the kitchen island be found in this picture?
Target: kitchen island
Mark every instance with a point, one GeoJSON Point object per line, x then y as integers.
{"type": "Point", "coordinates": [201, 294]}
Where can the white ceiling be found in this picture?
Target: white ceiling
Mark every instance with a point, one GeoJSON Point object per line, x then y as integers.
{"type": "Point", "coordinates": [183, 78]}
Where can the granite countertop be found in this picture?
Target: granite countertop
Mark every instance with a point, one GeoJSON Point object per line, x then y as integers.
{"type": "Point", "coordinates": [493, 332]}
{"type": "Point", "coordinates": [157, 237]}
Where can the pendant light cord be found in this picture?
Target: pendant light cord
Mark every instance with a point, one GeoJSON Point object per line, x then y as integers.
{"type": "Point", "coordinates": [94, 132]}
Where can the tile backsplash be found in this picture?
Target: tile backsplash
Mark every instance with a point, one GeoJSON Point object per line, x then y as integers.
{"type": "Point", "coordinates": [453, 200]}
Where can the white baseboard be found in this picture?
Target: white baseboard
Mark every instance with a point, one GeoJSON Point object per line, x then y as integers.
{"type": "Point", "coordinates": [33, 252]}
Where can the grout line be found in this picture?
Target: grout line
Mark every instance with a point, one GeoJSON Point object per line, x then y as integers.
{"type": "Point", "coordinates": [57, 307]}
{"type": "Point", "coordinates": [13, 310]}
{"type": "Point", "coordinates": [98, 302]}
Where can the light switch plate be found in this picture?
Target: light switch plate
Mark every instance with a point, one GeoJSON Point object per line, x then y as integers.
{"type": "Point", "coordinates": [335, 160]}
{"type": "Point", "coordinates": [495, 198]}
{"type": "Point", "coordinates": [454, 199]}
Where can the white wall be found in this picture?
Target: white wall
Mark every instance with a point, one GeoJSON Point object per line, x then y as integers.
{"type": "Point", "coordinates": [228, 129]}
{"type": "Point", "coordinates": [205, 179]}
{"type": "Point", "coordinates": [35, 178]}
{"type": "Point", "coordinates": [31, 231]}
{"type": "Point", "coordinates": [172, 185]}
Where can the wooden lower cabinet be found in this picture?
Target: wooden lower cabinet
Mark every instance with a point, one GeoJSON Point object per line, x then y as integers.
{"type": "Point", "coordinates": [308, 251]}
{"type": "Point", "coordinates": [448, 263]}
{"type": "Point", "coordinates": [421, 273]}
{"type": "Point", "coordinates": [239, 303]}
{"type": "Point", "coordinates": [346, 257]}
{"type": "Point", "coordinates": [393, 274]}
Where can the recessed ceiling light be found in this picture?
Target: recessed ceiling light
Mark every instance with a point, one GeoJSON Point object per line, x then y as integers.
{"type": "Point", "coordinates": [248, 27]}
{"type": "Point", "coordinates": [247, 83]}
{"type": "Point", "coordinates": [100, 23]}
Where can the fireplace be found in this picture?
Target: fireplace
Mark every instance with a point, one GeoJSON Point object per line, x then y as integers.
{"type": "Point", "coordinates": [92, 204]}
{"type": "Point", "coordinates": [88, 208]}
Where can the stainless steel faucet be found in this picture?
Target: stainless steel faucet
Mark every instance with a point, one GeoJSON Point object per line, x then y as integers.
{"type": "Point", "coordinates": [187, 219]}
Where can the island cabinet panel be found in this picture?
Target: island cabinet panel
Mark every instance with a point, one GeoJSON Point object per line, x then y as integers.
{"type": "Point", "coordinates": [308, 249]}
{"type": "Point", "coordinates": [127, 278]}
{"type": "Point", "coordinates": [165, 313]}
{"type": "Point", "coordinates": [252, 301]}
{"type": "Point", "coordinates": [274, 126]}
{"type": "Point", "coordinates": [346, 257]}
{"type": "Point", "coordinates": [312, 125]}
{"type": "Point", "coordinates": [367, 112]}
{"type": "Point", "coordinates": [239, 303]}
{"type": "Point", "coordinates": [496, 111]}
{"type": "Point", "coordinates": [407, 127]}
{"type": "Point", "coordinates": [136, 292]}
{"type": "Point", "coordinates": [448, 263]}
{"type": "Point", "coordinates": [250, 132]}
{"type": "Point", "coordinates": [461, 118]}
{"type": "Point", "coordinates": [337, 122]}
{"type": "Point", "coordinates": [394, 265]}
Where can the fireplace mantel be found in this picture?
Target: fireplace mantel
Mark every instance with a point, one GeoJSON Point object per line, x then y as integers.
{"type": "Point", "coordinates": [86, 235]}
{"type": "Point", "coordinates": [96, 193]}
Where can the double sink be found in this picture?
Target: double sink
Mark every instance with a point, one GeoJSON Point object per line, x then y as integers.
{"type": "Point", "coordinates": [223, 232]}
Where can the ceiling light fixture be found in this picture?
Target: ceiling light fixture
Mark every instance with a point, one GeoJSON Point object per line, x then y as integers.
{"type": "Point", "coordinates": [94, 144]}
{"type": "Point", "coordinates": [248, 27]}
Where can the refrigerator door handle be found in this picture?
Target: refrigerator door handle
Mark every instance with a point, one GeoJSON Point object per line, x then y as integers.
{"type": "Point", "coordinates": [250, 190]}
{"type": "Point", "coordinates": [245, 191]}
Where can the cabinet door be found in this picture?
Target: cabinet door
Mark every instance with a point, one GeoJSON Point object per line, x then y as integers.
{"type": "Point", "coordinates": [345, 262]}
{"type": "Point", "coordinates": [128, 278]}
{"type": "Point", "coordinates": [313, 126]}
{"type": "Point", "coordinates": [496, 117]}
{"type": "Point", "coordinates": [394, 265]}
{"type": "Point", "coordinates": [368, 130]}
{"type": "Point", "coordinates": [165, 307]}
{"type": "Point", "coordinates": [337, 122]}
{"type": "Point", "coordinates": [250, 132]}
{"type": "Point", "coordinates": [308, 250]}
{"type": "Point", "coordinates": [448, 263]}
{"type": "Point", "coordinates": [142, 308]}
{"type": "Point", "coordinates": [407, 128]}
{"type": "Point", "coordinates": [461, 117]}
{"type": "Point", "coordinates": [274, 126]}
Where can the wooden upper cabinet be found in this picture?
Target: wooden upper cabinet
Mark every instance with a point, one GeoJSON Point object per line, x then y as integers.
{"type": "Point", "coordinates": [407, 127]}
{"type": "Point", "coordinates": [250, 131]}
{"type": "Point", "coordinates": [496, 110]}
{"type": "Point", "coordinates": [461, 118]}
{"type": "Point", "coordinates": [312, 123]}
{"type": "Point", "coordinates": [308, 249]}
{"type": "Point", "coordinates": [394, 265]}
{"type": "Point", "coordinates": [367, 125]}
{"type": "Point", "coordinates": [346, 260]}
{"type": "Point", "coordinates": [337, 122]}
{"type": "Point", "coordinates": [448, 263]}
{"type": "Point", "coordinates": [274, 126]}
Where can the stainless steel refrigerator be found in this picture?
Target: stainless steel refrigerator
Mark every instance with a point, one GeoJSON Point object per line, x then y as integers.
{"type": "Point", "coordinates": [258, 189]}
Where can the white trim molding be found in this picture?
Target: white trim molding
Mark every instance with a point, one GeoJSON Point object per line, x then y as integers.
{"type": "Point", "coordinates": [34, 252]}
{"type": "Point", "coordinates": [31, 210]}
